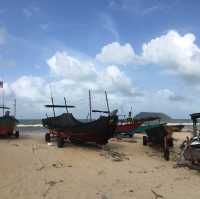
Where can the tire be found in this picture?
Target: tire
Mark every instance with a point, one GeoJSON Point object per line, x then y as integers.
{"type": "Point", "coordinates": [145, 140]}
{"type": "Point", "coordinates": [17, 134]}
{"type": "Point", "coordinates": [166, 154]}
{"type": "Point", "coordinates": [47, 137]}
{"type": "Point", "coordinates": [60, 142]}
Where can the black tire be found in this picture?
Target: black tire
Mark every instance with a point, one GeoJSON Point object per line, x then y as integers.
{"type": "Point", "coordinates": [145, 140]}
{"type": "Point", "coordinates": [47, 137]}
{"type": "Point", "coordinates": [16, 134]}
{"type": "Point", "coordinates": [60, 142]}
{"type": "Point", "coordinates": [166, 154]}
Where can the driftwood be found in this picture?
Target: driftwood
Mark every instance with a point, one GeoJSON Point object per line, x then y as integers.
{"type": "Point", "coordinates": [156, 194]}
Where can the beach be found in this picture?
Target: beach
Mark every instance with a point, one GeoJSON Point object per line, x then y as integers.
{"type": "Point", "coordinates": [31, 169]}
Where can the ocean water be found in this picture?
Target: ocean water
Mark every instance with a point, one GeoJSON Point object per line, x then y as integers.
{"type": "Point", "coordinates": [31, 126]}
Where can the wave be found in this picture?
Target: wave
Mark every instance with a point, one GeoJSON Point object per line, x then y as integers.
{"type": "Point", "coordinates": [29, 125]}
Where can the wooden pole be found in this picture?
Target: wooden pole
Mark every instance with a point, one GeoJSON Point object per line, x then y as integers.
{"type": "Point", "coordinates": [90, 105]}
{"type": "Point", "coordinates": [107, 102]}
{"type": "Point", "coordinates": [54, 114]}
{"type": "Point", "coordinates": [66, 104]}
{"type": "Point", "coordinates": [15, 107]}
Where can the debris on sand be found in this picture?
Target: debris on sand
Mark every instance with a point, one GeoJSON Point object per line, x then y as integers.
{"type": "Point", "coordinates": [156, 194]}
{"type": "Point", "coordinates": [50, 184]}
{"type": "Point", "coordinates": [58, 164]}
{"type": "Point", "coordinates": [114, 156]}
{"type": "Point", "coordinates": [41, 168]}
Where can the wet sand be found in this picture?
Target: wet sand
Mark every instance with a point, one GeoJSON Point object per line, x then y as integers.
{"type": "Point", "coordinates": [30, 169]}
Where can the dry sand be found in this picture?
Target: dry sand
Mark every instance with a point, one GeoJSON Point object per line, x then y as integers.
{"type": "Point", "coordinates": [30, 169]}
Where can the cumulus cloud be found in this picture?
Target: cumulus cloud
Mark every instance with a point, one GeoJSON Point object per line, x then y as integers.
{"type": "Point", "coordinates": [63, 65]}
{"type": "Point", "coordinates": [115, 53]}
{"type": "Point", "coordinates": [87, 75]}
{"type": "Point", "coordinates": [116, 81]}
{"type": "Point", "coordinates": [178, 53]}
{"type": "Point", "coordinates": [29, 87]}
{"type": "Point", "coordinates": [172, 51]}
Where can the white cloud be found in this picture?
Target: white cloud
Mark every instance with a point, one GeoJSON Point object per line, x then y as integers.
{"type": "Point", "coordinates": [115, 53]}
{"type": "Point", "coordinates": [3, 34]}
{"type": "Point", "coordinates": [116, 81]}
{"type": "Point", "coordinates": [63, 65]}
{"type": "Point", "coordinates": [178, 53]}
{"type": "Point", "coordinates": [29, 87]}
{"type": "Point", "coordinates": [173, 52]}
{"type": "Point", "coordinates": [86, 75]}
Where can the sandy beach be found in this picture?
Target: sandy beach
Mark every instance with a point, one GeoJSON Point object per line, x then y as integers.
{"type": "Point", "coordinates": [30, 169]}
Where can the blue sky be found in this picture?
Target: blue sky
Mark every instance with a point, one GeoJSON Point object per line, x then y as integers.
{"type": "Point", "coordinates": [49, 42]}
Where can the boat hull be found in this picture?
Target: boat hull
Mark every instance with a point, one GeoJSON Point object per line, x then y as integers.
{"type": "Point", "coordinates": [7, 125]}
{"type": "Point", "coordinates": [66, 126]}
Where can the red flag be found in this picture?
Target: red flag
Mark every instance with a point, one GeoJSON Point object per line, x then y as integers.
{"type": "Point", "coordinates": [1, 84]}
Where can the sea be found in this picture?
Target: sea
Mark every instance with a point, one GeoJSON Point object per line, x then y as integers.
{"type": "Point", "coordinates": [27, 126]}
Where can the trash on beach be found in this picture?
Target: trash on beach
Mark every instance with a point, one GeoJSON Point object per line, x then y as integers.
{"type": "Point", "coordinates": [114, 156]}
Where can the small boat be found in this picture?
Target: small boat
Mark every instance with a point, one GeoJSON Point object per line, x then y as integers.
{"type": "Point", "coordinates": [130, 126]}
{"type": "Point", "coordinates": [8, 124]}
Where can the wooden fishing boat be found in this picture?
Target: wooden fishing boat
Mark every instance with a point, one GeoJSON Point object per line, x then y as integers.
{"type": "Point", "coordinates": [127, 128]}
{"type": "Point", "coordinates": [66, 127]}
{"type": "Point", "coordinates": [8, 124]}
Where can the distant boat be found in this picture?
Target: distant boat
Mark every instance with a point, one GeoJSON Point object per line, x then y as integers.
{"type": "Point", "coordinates": [128, 127]}
{"type": "Point", "coordinates": [8, 124]}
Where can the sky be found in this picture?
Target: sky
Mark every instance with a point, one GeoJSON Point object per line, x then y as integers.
{"type": "Point", "coordinates": [144, 53]}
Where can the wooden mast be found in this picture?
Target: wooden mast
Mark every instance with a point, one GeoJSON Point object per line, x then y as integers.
{"type": "Point", "coordinates": [66, 104]}
{"type": "Point", "coordinates": [15, 107]}
{"type": "Point", "coordinates": [54, 114]}
{"type": "Point", "coordinates": [90, 105]}
{"type": "Point", "coordinates": [107, 103]}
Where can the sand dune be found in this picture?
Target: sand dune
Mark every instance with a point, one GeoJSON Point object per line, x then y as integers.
{"type": "Point", "coordinates": [30, 169]}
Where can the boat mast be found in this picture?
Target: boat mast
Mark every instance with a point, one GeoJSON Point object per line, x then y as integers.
{"type": "Point", "coordinates": [107, 102]}
{"type": "Point", "coordinates": [90, 105]}
{"type": "Point", "coordinates": [52, 101]}
{"type": "Point", "coordinates": [66, 104]}
{"type": "Point", "coordinates": [15, 107]}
